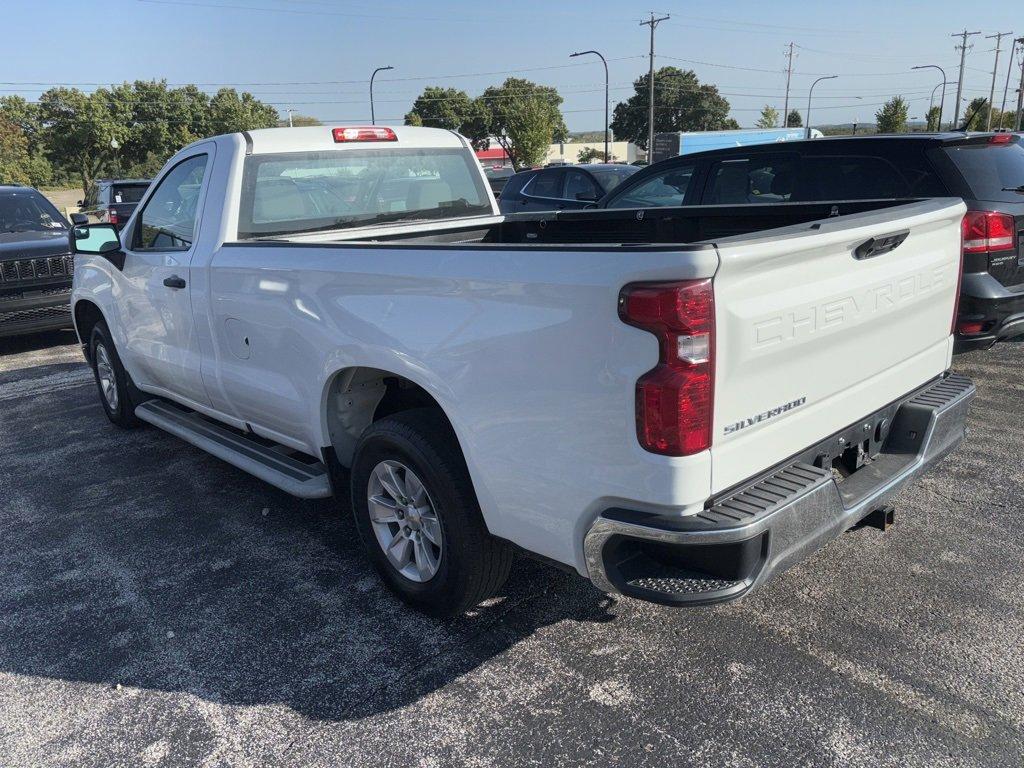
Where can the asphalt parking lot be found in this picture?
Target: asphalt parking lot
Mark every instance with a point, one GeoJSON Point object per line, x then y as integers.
{"type": "Point", "coordinates": [158, 607]}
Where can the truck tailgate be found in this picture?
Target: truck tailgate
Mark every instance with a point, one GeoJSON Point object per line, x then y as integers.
{"type": "Point", "coordinates": [810, 337]}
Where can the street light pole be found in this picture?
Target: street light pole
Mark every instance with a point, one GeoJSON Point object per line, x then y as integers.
{"type": "Point", "coordinates": [942, 101]}
{"type": "Point", "coordinates": [373, 117]}
{"type": "Point", "coordinates": [290, 124]}
{"type": "Point", "coordinates": [811, 91]}
{"type": "Point", "coordinates": [607, 157]}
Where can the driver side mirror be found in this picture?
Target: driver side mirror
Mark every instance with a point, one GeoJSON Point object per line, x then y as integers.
{"type": "Point", "coordinates": [98, 240]}
{"type": "Point", "coordinates": [78, 219]}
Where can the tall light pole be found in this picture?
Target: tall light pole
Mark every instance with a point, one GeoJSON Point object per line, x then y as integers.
{"type": "Point", "coordinates": [373, 117]}
{"type": "Point", "coordinates": [607, 157]}
{"type": "Point", "coordinates": [290, 124]}
{"type": "Point", "coordinates": [942, 101]}
{"type": "Point", "coordinates": [807, 120]}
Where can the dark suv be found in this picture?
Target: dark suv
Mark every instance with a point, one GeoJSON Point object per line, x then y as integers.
{"type": "Point", "coordinates": [560, 188]}
{"type": "Point", "coordinates": [36, 265]}
{"type": "Point", "coordinates": [986, 170]}
{"type": "Point", "coordinates": [114, 200]}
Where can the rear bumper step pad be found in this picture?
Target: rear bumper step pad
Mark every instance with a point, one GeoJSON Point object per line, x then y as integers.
{"type": "Point", "coordinates": [248, 453]}
{"type": "Point", "coordinates": [775, 520]}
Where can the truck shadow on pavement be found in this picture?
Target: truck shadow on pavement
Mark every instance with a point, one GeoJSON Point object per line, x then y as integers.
{"type": "Point", "coordinates": [135, 560]}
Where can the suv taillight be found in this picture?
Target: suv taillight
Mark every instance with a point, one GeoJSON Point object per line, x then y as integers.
{"type": "Point", "coordinates": [674, 400]}
{"type": "Point", "coordinates": [987, 231]}
{"type": "Point", "coordinates": [112, 216]}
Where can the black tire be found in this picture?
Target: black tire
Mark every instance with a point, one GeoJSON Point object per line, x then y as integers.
{"type": "Point", "coordinates": [473, 564]}
{"type": "Point", "coordinates": [102, 351]}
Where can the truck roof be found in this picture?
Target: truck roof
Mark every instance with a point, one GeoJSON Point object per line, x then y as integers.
{"type": "Point", "coordinates": [321, 137]}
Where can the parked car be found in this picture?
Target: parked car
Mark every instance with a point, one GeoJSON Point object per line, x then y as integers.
{"type": "Point", "coordinates": [497, 178]}
{"type": "Point", "coordinates": [114, 200]}
{"type": "Point", "coordinates": [562, 187]}
{"type": "Point", "coordinates": [345, 311]}
{"type": "Point", "coordinates": [986, 170]}
{"type": "Point", "coordinates": [36, 265]}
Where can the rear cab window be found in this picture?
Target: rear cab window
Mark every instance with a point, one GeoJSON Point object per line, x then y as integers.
{"type": "Point", "coordinates": [298, 192]}
{"type": "Point", "coordinates": [127, 193]}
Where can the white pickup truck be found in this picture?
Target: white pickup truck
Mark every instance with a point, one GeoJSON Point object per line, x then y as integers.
{"type": "Point", "coordinates": [676, 403]}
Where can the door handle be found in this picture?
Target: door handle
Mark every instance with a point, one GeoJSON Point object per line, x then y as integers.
{"type": "Point", "coordinates": [174, 282]}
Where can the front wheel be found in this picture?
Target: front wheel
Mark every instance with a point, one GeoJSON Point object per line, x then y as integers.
{"type": "Point", "coordinates": [418, 517]}
{"type": "Point", "coordinates": [112, 380]}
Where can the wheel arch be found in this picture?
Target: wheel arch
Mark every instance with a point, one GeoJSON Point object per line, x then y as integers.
{"type": "Point", "coordinates": [355, 397]}
{"type": "Point", "coordinates": [86, 315]}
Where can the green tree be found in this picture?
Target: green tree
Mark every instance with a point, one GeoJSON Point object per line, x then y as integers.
{"type": "Point", "coordinates": [681, 103]}
{"type": "Point", "coordinates": [14, 155]}
{"type": "Point", "coordinates": [439, 107]}
{"type": "Point", "coordinates": [769, 117]}
{"type": "Point", "coordinates": [300, 121]}
{"type": "Point", "coordinates": [932, 118]}
{"type": "Point", "coordinates": [892, 117]}
{"type": "Point", "coordinates": [793, 119]}
{"type": "Point", "coordinates": [522, 116]}
{"type": "Point", "coordinates": [231, 112]}
{"type": "Point", "coordinates": [589, 154]}
{"type": "Point", "coordinates": [78, 130]}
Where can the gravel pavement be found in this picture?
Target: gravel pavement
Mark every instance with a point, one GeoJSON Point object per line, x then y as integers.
{"type": "Point", "coordinates": [160, 608]}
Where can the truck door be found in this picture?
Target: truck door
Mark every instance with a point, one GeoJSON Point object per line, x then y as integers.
{"type": "Point", "coordinates": [162, 345]}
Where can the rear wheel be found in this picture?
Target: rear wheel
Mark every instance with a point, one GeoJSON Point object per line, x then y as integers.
{"type": "Point", "coordinates": [418, 516]}
{"type": "Point", "coordinates": [112, 380]}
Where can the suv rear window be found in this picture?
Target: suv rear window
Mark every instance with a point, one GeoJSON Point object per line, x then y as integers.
{"type": "Point", "coordinates": [127, 193]}
{"type": "Point", "coordinates": [992, 171]}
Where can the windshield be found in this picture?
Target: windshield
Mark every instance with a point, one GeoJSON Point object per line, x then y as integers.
{"type": "Point", "coordinates": [610, 178]}
{"type": "Point", "coordinates": [298, 192]}
{"type": "Point", "coordinates": [127, 193]}
{"type": "Point", "coordinates": [28, 211]}
{"type": "Point", "coordinates": [991, 170]}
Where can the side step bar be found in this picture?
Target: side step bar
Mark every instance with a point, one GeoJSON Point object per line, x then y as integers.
{"type": "Point", "coordinates": [249, 453]}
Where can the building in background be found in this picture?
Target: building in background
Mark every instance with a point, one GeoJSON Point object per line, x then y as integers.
{"type": "Point", "coordinates": [668, 145]}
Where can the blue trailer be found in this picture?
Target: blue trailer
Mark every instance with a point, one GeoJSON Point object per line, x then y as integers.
{"type": "Point", "coordinates": [668, 145]}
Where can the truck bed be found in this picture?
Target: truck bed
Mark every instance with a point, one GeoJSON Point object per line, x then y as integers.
{"type": "Point", "coordinates": [681, 225]}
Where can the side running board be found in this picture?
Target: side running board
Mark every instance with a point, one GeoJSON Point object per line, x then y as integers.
{"type": "Point", "coordinates": [267, 461]}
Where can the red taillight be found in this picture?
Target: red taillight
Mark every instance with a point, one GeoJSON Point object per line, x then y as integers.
{"type": "Point", "coordinates": [112, 216]}
{"type": "Point", "coordinates": [674, 400]}
{"type": "Point", "coordinates": [988, 231]}
{"type": "Point", "coordinates": [970, 327]}
{"type": "Point", "coordinates": [1001, 138]}
{"type": "Point", "coordinates": [364, 133]}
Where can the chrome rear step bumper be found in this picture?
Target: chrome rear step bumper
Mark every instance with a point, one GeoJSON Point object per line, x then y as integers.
{"type": "Point", "coordinates": [775, 520]}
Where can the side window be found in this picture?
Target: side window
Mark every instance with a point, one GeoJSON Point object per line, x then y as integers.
{"type": "Point", "coordinates": [850, 178]}
{"type": "Point", "coordinates": [579, 186]}
{"type": "Point", "coordinates": [168, 222]}
{"type": "Point", "coordinates": [663, 189]}
{"type": "Point", "coordinates": [751, 180]}
{"type": "Point", "coordinates": [545, 184]}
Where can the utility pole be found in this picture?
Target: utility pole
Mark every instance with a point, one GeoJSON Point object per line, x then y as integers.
{"type": "Point", "coordinates": [289, 111]}
{"type": "Point", "coordinates": [1020, 91]}
{"type": "Point", "coordinates": [960, 80]}
{"type": "Point", "coordinates": [789, 76]}
{"type": "Point", "coordinates": [652, 23]}
{"type": "Point", "coordinates": [998, 37]}
{"type": "Point", "coordinates": [1009, 70]}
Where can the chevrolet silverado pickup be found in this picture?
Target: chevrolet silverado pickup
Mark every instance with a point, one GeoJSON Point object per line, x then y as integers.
{"type": "Point", "coordinates": [676, 403]}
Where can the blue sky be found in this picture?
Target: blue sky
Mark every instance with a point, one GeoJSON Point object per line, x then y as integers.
{"type": "Point", "coordinates": [316, 55]}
